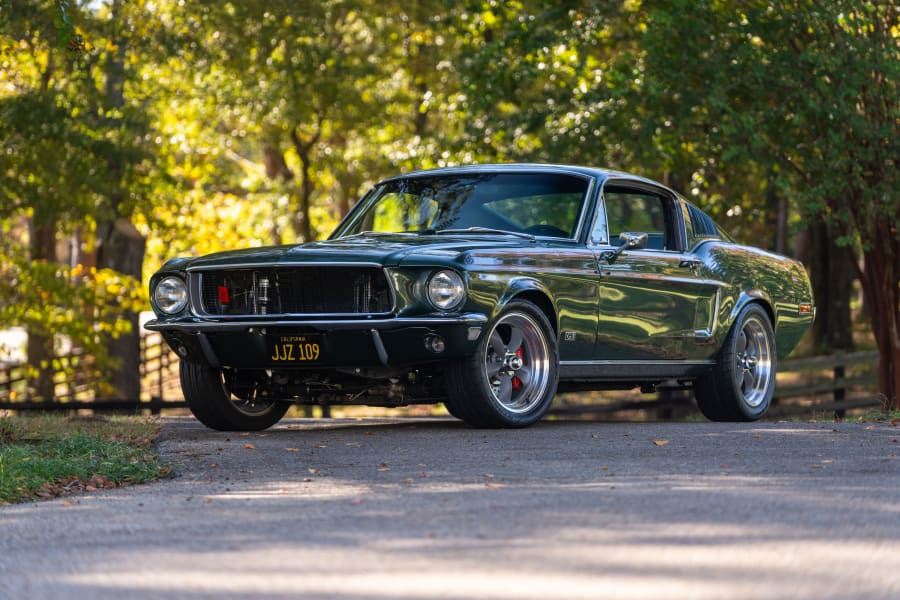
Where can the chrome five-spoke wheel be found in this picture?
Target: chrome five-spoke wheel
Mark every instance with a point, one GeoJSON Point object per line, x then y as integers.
{"type": "Point", "coordinates": [517, 363]}
{"type": "Point", "coordinates": [741, 385]}
{"type": "Point", "coordinates": [511, 379]}
{"type": "Point", "coordinates": [753, 362]}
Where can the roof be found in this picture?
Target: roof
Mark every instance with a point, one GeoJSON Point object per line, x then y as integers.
{"type": "Point", "coordinates": [601, 174]}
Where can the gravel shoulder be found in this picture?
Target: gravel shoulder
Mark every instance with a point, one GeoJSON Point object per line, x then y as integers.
{"type": "Point", "coordinates": [429, 508]}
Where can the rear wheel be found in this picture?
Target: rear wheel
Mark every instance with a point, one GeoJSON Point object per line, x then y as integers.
{"type": "Point", "coordinates": [214, 405]}
{"type": "Point", "coordinates": [741, 385]}
{"type": "Point", "coordinates": [511, 378]}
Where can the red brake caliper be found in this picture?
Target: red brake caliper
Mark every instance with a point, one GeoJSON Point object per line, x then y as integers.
{"type": "Point", "coordinates": [516, 382]}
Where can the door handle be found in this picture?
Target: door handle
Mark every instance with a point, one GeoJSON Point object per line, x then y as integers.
{"type": "Point", "coordinates": [690, 263]}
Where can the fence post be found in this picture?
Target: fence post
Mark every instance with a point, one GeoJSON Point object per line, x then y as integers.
{"type": "Point", "coordinates": [163, 365]}
{"type": "Point", "coordinates": [839, 392]}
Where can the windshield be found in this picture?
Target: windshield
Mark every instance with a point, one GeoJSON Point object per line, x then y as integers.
{"type": "Point", "coordinates": [538, 204]}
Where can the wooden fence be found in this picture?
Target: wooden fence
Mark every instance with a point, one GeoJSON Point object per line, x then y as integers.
{"type": "Point", "coordinates": [817, 386]}
{"type": "Point", "coordinates": [822, 385]}
{"type": "Point", "coordinates": [827, 384]}
{"type": "Point", "coordinates": [74, 389]}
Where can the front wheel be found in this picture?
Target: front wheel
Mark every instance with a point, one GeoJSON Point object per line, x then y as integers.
{"type": "Point", "coordinates": [511, 378]}
{"type": "Point", "coordinates": [741, 385]}
{"type": "Point", "coordinates": [213, 404]}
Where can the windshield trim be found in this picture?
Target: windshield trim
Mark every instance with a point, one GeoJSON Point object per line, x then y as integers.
{"type": "Point", "coordinates": [374, 194]}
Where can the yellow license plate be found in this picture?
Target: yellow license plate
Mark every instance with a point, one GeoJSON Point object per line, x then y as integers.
{"type": "Point", "coordinates": [295, 348]}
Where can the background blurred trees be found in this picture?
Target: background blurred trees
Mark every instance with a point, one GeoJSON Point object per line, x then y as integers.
{"type": "Point", "coordinates": [132, 132]}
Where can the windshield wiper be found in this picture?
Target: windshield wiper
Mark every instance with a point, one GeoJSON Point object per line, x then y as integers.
{"type": "Point", "coordinates": [376, 234]}
{"type": "Point", "coordinates": [487, 230]}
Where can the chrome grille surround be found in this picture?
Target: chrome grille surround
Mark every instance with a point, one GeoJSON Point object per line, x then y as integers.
{"type": "Point", "coordinates": [298, 290]}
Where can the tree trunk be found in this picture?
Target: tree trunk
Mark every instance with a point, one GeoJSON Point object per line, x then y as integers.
{"type": "Point", "coordinates": [302, 225]}
{"type": "Point", "coordinates": [40, 341]}
{"type": "Point", "coordinates": [122, 249]}
{"type": "Point", "coordinates": [880, 287]}
{"type": "Point", "coordinates": [777, 215]}
{"type": "Point", "coordinates": [120, 246]}
{"type": "Point", "coordinates": [880, 277]}
{"type": "Point", "coordinates": [832, 272]}
{"type": "Point", "coordinates": [277, 169]}
{"type": "Point", "coordinates": [344, 200]}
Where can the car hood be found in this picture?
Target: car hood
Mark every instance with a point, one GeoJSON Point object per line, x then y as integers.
{"type": "Point", "coordinates": [385, 250]}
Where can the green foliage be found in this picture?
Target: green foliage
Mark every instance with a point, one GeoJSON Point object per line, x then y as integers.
{"type": "Point", "coordinates": [809, 88]}
{"type": "Point", "coordinates": [80, 306]}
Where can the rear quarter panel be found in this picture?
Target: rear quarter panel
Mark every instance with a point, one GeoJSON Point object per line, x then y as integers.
{"type": "Point", "coordinates": [778, 283]}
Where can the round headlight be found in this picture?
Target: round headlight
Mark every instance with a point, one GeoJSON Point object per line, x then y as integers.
{"type": "Point", "coordinates": [170, 295]}
{"type": "Point", "coordinates": [446, 290]}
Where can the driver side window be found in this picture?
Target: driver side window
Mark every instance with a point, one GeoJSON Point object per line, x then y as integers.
{"type": "Point", "coordinates": [636, 211]}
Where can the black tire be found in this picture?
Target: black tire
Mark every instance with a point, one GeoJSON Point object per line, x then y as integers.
{"type": "Point", "coordinates": [511, 378]}
{"type": "Point", "coordinates": [451, 409]}
{"type": "Point", "coordinates": [741, 385]}
{"type": "Point", "coordinates": [214, 406]}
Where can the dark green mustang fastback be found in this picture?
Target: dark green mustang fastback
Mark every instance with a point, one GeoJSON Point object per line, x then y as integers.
{"type": "Point", "coordinates": [487, 288]}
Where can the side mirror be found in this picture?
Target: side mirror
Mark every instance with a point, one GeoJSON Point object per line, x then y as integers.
{"type": "Point", "coordinates": [628, 241]}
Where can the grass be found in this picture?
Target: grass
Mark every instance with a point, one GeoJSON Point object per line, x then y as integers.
{"type": "Point", "coordinates": [892, 417]}
{"type": "Point", "coordinates": [48, 456]}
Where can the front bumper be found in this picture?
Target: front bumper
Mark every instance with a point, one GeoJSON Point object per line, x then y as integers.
{"type": "Point", "coordinates": [347, 343]}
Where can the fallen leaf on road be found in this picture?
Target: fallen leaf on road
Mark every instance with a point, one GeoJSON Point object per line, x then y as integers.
{"type": "Point", "coordinates": [293, 449]}
{"type": "Point", "coordinates": [660, 442]}
{"type": "Point", "coordinates": [249, 447]}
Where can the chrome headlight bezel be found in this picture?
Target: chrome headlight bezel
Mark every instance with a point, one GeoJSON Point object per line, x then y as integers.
{"type": "Point", "coordinates": [170, 295]}
{"type": "Point", "coordinates": [446, 290]}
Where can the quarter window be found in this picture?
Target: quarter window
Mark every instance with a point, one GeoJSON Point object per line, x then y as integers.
{"type": "Point", "coordinates": [703, 226]}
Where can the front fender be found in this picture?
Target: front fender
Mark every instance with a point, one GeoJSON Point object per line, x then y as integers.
{"type": "Point", "coordinates": [524, 285]}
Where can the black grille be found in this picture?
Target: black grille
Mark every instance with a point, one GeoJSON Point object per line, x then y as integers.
{"type": "Point", "coordinates": [297, 291]}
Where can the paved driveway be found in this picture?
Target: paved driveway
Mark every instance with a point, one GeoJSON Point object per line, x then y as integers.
{"type": "Point", "coordinates": [428, 508]}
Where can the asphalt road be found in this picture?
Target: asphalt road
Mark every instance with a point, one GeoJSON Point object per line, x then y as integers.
{"type": "Point", "coordinates": [429, 508]}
